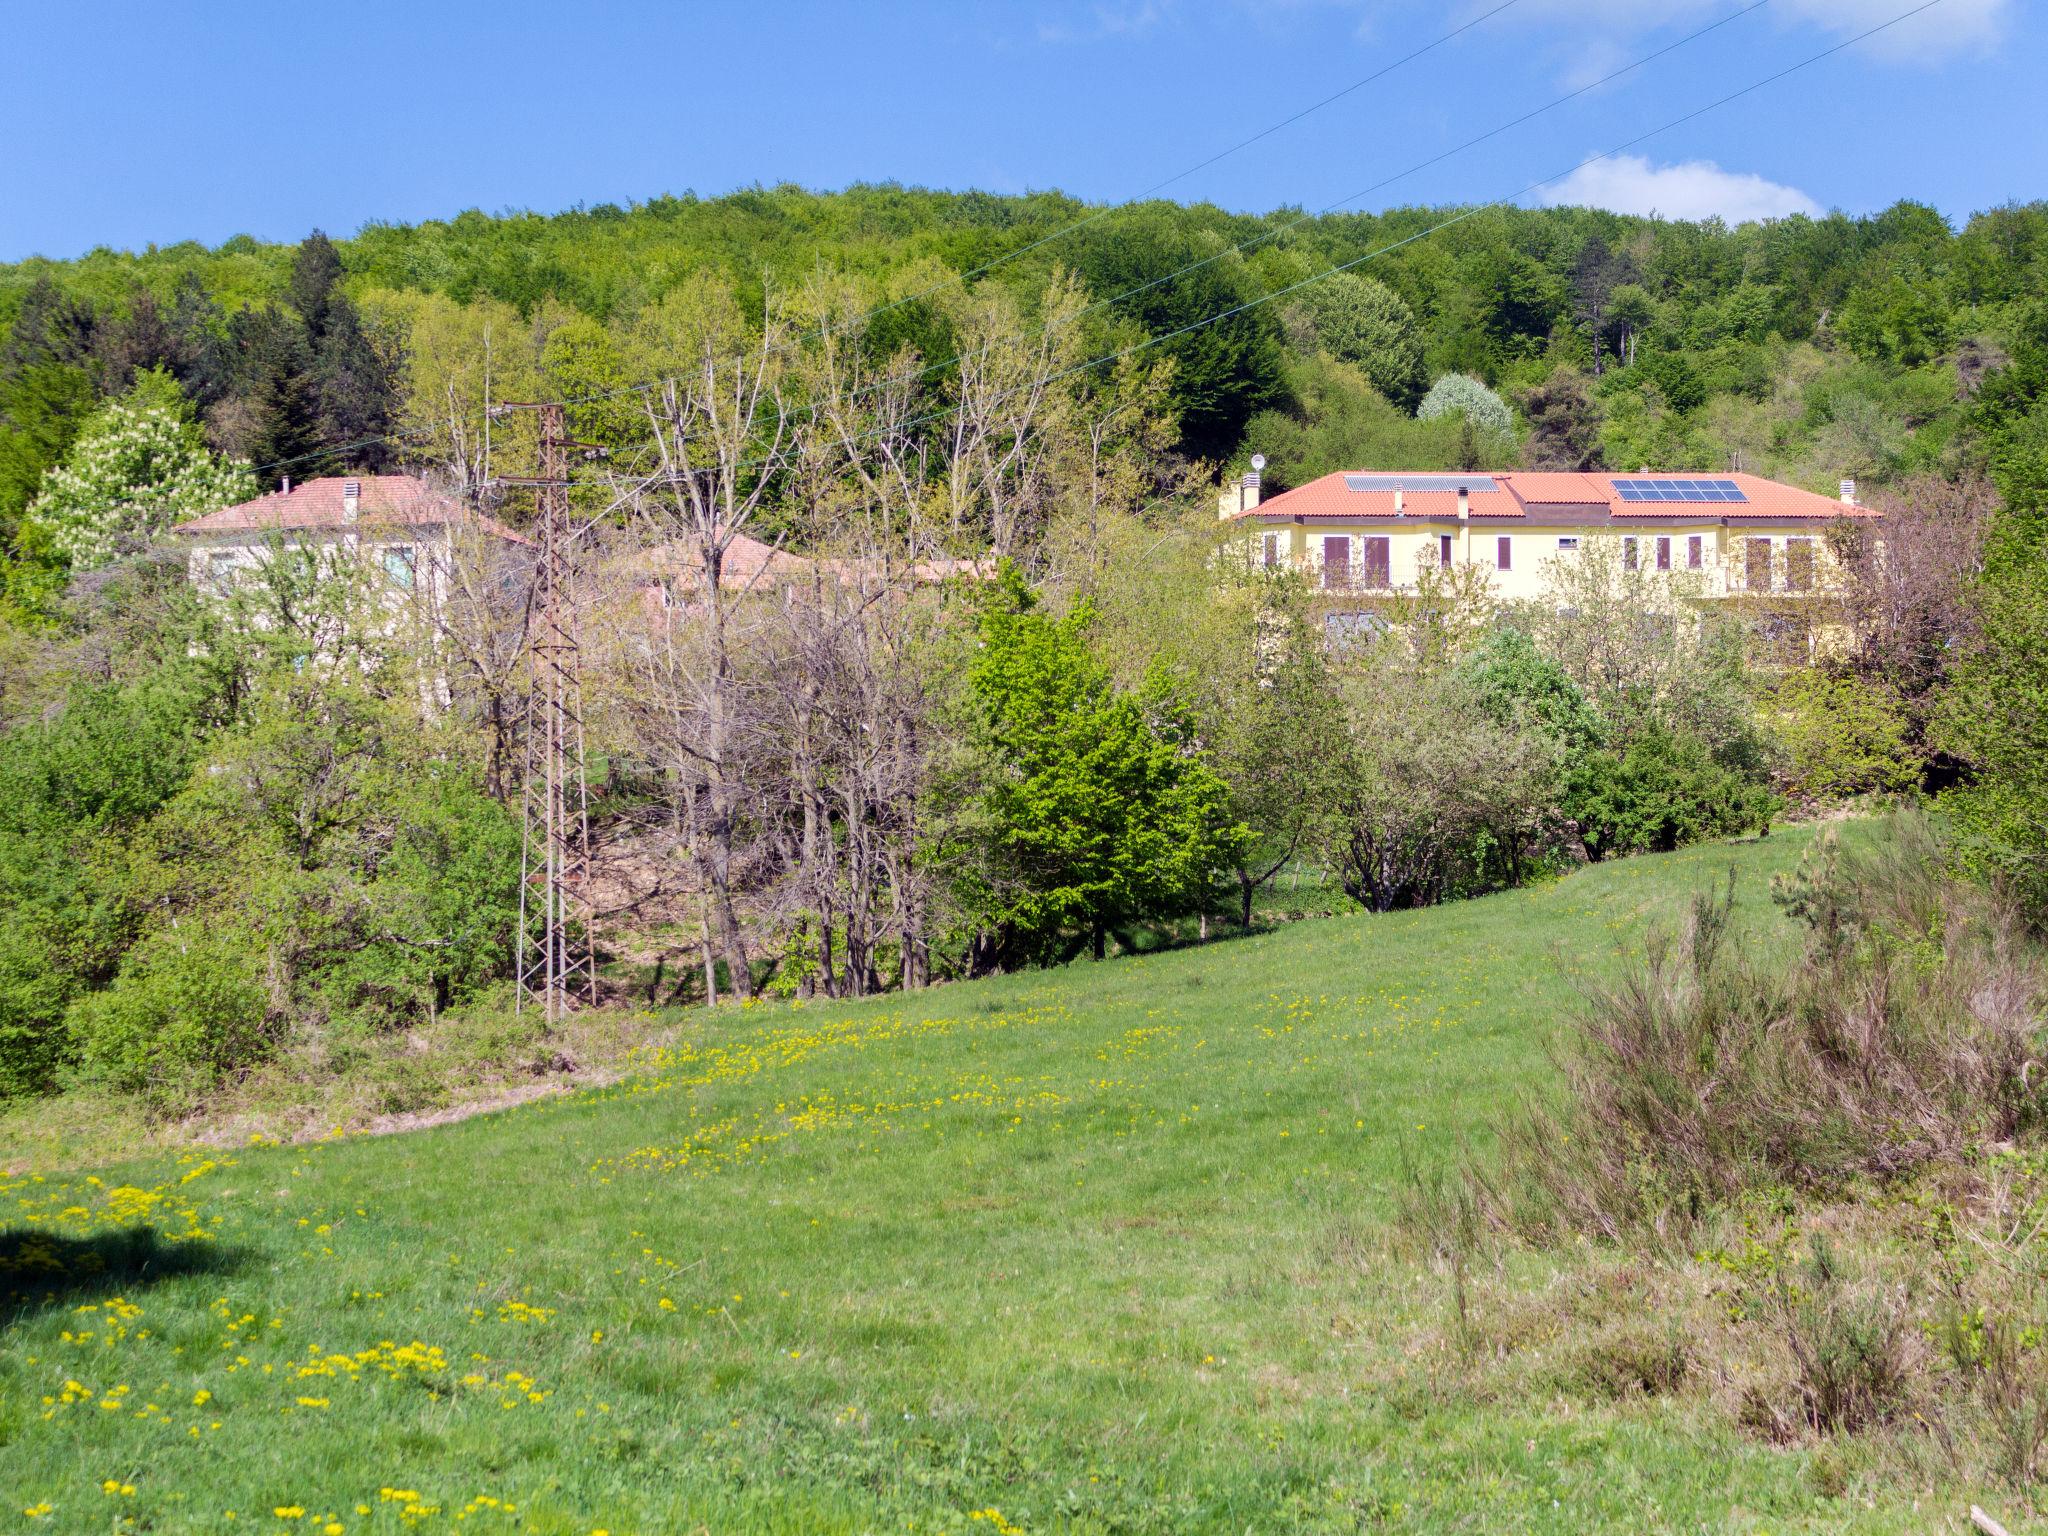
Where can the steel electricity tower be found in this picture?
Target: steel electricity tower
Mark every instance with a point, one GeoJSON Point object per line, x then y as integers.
{"type": "Point", "coordinates": [558, 943]}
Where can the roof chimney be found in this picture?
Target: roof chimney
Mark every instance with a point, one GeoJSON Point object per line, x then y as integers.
{"type": "Point", "coordinates": [1848, 492]}
{"type": "Point", "coordinates": [284, 486]}
{"type": "Point", "coordinates": [1400, 503]}
{"type": "Point", "coordinates": [1243, 497]}
{"type": "Point", "coordinates": [1464, 504]}
{"type": "Point", "coordinates": [351, 499]}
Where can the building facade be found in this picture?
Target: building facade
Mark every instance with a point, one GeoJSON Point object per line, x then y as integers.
{"type": "Point", "coordinates": [393, 528]}
{"type": "Point", "coordinates": [1368, 531]}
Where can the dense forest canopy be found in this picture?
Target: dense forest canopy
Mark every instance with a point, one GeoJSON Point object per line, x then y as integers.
{"type": "Point", "coordinates": [1805, 348]}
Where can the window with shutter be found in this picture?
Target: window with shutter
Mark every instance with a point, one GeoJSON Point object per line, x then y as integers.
{"type": "Point", "coordinates": [1337, 562]}
{"type": "Point", "coordinates": [1504, 553]}
{"type": "Point", "coordinates": [1757, 564]}
{"type": "Point", "coordinates": [1798, 565]}
{"type": "Point", "coordinates": [1663, 554]}
{"type": "Point", "coordinates": [1379, 562]}
{"type": "Point", "coordinates": [1695, 552]}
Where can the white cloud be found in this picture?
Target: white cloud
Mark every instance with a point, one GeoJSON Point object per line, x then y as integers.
{"type": "Point", "coordinates": [1107, 18]}
{"type": "Point", "coordinates": [1948, 28]}
{"type": "Point", "coordinates": [1693, 189]}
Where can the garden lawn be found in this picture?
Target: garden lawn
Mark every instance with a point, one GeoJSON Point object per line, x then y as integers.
{"type": "Point", "coordinates": [1104, 1249]}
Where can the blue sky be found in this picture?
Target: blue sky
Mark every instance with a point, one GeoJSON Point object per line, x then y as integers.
{"type": "Point", "coordinates": [137, 123]}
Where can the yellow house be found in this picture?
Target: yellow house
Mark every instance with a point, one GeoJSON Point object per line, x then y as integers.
{"type": "Point", "coordinates": [1365, 531]}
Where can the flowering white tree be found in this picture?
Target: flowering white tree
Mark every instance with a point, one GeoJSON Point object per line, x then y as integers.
{"type": "Point", "coordinates": [1461, 394]}
{"type": "Point", "coordinates": [139, 466]}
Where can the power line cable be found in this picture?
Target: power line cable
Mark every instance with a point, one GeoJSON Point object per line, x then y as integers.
{"type": "Point", "coordinates": [1422, 234]}
{"type": "Point", "coordinates": [1253, 243]}
{"type": "Point", "coordinates": [1008, 256]}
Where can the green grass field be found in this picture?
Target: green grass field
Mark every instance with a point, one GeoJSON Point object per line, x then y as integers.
{"type": "Point", "coordinates": [1105, 1249]}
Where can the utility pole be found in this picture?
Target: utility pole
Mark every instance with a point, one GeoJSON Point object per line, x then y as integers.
{"type": "Point", "coordinates": [558, 953]}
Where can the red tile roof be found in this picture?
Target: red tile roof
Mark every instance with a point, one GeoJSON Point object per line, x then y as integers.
{"type": "Point", "coordinates": [403, 500]}
{"type": "Point", "coordinates": [1531, 493]}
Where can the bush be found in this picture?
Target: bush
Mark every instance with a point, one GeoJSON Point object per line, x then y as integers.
{"type": "Point", "coordinates": [1844, 736]}
{"type": "Point", "coordinates": [187, 1008]}
{"type": "Point", "coordinates": [1901, 1038]}
{"type": "Point", "coordinates": [1661, 791]}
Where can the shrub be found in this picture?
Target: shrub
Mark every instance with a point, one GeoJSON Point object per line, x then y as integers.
{"type": "Point", "coordinates": [1844, 736]}
{"type": "Point", "coordinates": [1661, 791]}
{"type": "Point", "coordinates": [1900, 1038]}
{"type": "Point", "coordinates": [1848, 1344]}
{"type": "Point", "coordinates": [188, 1007]}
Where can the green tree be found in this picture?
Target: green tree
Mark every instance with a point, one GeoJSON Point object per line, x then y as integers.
{"type": "Point", "coordinates": [1098, 807]}
{"type": "Point", "coordinates": [1224, 370]}
{"type": "Point", "coordinates": [1361, 321]}
{"type": "Point", "coordinates": [1995, 718]}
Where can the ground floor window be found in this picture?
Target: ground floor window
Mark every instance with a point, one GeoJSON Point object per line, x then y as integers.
{"type": "Point", "coordinates": [1504, 553]}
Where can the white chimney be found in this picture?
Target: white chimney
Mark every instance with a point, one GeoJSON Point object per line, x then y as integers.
{"type": "Point", "coordinates": [1400, 502]}
{"type": "Point", "coordinates": [1244, 496]}
{"type": "Point", "coordinates": [351, 499]}
{"type": "Point", "coordinates": [1464, 505]}
{"type": "Point", "coordinates": [284, 486]}
{"type": "Point", "coordinates": [1848, 492]}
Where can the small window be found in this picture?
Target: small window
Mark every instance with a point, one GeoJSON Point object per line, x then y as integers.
{"type": "Point", "coordinates": [1566, 544]}
{"type": "Point", "coordinates": [1443, 550]}
{"type": "Point", "coordinates": [1270, 550]}
{"type": "Point", "coordinates": [220, 571]}
{"type": "Point", "coordinates": [1695, 552]}
{"type": "Point", "coordinates": [1629, 560]}
{"type": "Point", "coordinates": [1663, 553]}
{"type": "Point", "coordinates": [1503, 553]}
{"type": "Point", "coordinates": [399, 562]}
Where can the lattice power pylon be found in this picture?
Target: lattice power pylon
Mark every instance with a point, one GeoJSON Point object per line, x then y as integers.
{"type": "Point", "coordinates": [557, 917]}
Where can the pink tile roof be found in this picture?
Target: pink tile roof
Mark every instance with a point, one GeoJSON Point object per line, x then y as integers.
{"type": "Point", "coordinates": [1527, 494]}
{"type": "Point", "coordinates": [387, 500]}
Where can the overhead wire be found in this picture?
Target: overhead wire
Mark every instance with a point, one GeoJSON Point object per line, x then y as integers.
{"type": "Point", "coordinates": [1007, 256]}
{"type": "Point", "coordinates": [1459, 218]}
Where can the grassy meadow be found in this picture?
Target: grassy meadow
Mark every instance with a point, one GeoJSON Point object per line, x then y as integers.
{"type": "Point", "coordinates": [1104, 1249]}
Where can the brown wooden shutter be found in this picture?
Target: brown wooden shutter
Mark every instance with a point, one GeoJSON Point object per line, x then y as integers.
{"type": "Point", "coordinates": [1337, 561]}
{"type": "Point", "coordinates": [1503, 556]}
{"type": "Point", "coordinates": [1379, 561]}
{"type": "Point", "coordinates": [1757, 564]}
{"type": "Point", "coordinates": [1798, 565]}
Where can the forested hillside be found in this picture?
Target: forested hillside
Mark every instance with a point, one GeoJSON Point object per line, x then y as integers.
{"type": "Point", "coordinates": [1805, 349]}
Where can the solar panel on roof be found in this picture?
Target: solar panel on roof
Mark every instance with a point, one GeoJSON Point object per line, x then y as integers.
{"type": "Point", "coordinates": [1661, 490]}
{"type": "Point", "coordinates": [1448, 483]}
